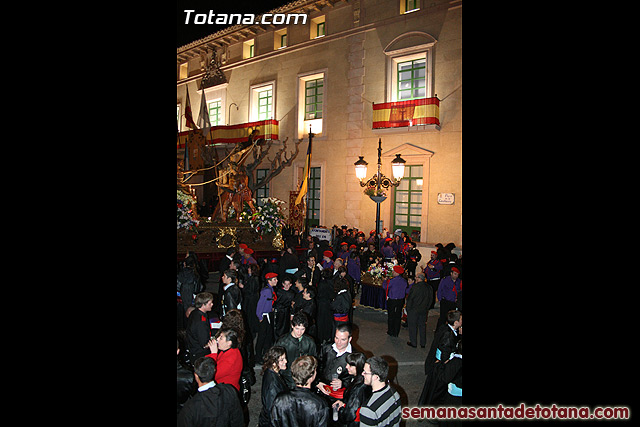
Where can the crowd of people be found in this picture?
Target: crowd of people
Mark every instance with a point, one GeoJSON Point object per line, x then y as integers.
{"type": "Point", "coordinates": [293, 316]}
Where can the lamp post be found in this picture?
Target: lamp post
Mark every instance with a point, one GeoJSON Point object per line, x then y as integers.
{"type": "Point", "coordinates": [379, 181]}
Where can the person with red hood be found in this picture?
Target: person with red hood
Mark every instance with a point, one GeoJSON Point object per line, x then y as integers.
{"type": "Point", "coordinates": [247, 257]}
{"type": "Point", "coordinates": [327, 262]}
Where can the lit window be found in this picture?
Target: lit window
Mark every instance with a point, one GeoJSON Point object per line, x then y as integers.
{"type": "Point", "coordinates": [317, 27]}
{"type": "Point", "coordinates": [411, 80]}
{"type": "Point", "coordinates": [214, 112]}
{"type": "Point", "coordinates": [248, 49]}
{"type": "Point", "coordinates": [407, 6]}
{"type": "Point", "coordinates": [313, 97]}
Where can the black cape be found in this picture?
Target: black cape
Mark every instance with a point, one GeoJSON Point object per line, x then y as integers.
{"type": "Point", "coordinates": [218, 406]}
{"type": "Point", "coordinates": [300, 407]}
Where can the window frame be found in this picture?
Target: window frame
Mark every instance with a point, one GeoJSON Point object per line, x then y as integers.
{"type": "Point", "coordinates": [396, 57]}
{"type": "Point", "coordinates": [254, 100]}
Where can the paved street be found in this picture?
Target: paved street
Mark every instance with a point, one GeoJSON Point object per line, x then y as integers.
{"type": "Point", "coordinates": [406, 364]}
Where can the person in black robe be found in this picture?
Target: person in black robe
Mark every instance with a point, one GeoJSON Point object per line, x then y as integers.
{"type": "Point", "coordinates": [412, 260]}
{"type": "Point", "coordinates": [356, 393]}
{"type": "Point", "coordinates": [311, 271]}
{"type": "Point", "coordinates": [198, 327]}
{"type": "Point", "coordinates": [188, 282]}
{"type": "Point", "coordinates": [231, 293]}
{"type": "Point", "coordinates": [186, 383]}
{"type": "Point", "coordinates": [289, 263]}
{"type": "Point", "coordinates": [444, 344]}
{"type": "Point", "coordinates": [333, 364]}
{"type": "Point", "coordinates": [341, 305]}
{"type": "Point", "coordinates": [250, 296]}
{"type": "Point", "coordinates": [451, 375]}
{"type": "Point", "coordinates": [282, 307]}
{"type": "Point", "coordinates": [324, 317]}
{"type": "Point", "coordinates": [275, 361]}
{"type": "Point", "coordinates": [214, 404]}
{"type": "Point", "coordinates": [300, 407]}
{"type": "Point", "coordinates": [308, 307]}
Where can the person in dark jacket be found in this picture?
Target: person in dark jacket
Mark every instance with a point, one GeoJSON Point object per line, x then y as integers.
{"type": "Point", "coordinates": [412, 259]}
{"type": "Point", "coordinates": [275, 362]}
{"type": "Point", "coordinates": [250, 296]}
{"type": "Point", "coordinates": [186, 384]}
{"type": "Point", "coordinates": [308, 307]}
{"type": "Point", "coordinates": [289, 263]}
{"type": "Point", "coordinates": [324, 316]}
{"type": "Point", "coordinates": [311, 271]}
{"type": "Point", "coordinates": [282, 306]}
{"type": "Point", "coordinates": [214, 404]}
{"type": "Point", "coordinates": [341, 305]}
{"type": "Point", "coordinates": [231, 293]}
{"type": "Point", "coordinates": [452, 377]}
{"type": "Point", "coordinates": [188, 282]}
{"type": "Point", "coordinates": [198, 326]}
{"type": "Point", "coordinates": [296, 344]}
{"type": "Point", "coordinates": [356, 393]}
{"type": "Point", "coordinates": [300, 407]}
{"type": "Point", "coordinates": [333, 364]}
{"type": "Point", "coordinates": [225, 264]}
{"type": "Point", "coordinates": [444, 344]}
{"type": "Point", "coordinates": [418, 303]}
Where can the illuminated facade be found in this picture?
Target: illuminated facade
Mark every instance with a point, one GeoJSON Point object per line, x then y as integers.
{"type": "Point", "coordinates": [356, 71]}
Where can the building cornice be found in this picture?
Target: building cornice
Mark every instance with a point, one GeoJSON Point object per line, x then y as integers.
{"type": "Point", "coordinates": [235, 33]}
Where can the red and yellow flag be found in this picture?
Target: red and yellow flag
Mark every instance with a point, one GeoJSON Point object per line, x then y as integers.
{"type": "Point", "coordinates": [425, 111]}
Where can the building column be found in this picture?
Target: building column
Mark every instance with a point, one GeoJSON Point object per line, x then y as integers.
{"type": "Point", "coordinates": [355, 121]}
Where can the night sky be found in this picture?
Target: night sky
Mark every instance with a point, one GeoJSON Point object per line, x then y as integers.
{"type": "Point", "coordinates": [191, 32]}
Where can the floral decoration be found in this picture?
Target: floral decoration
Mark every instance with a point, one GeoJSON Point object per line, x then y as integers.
{"type": "Point", "coordinates": [382, 270]}
{"type": "Point", "coordinates": [185, 212]}
{"type": "Point", "coordinates": [268, 217]}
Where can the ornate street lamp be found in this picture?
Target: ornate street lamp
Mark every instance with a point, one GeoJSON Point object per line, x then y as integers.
{"type": "Point", "coordinates": [378, 181]}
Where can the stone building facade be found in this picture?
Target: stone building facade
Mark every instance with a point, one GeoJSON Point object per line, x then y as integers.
{"type": "Point", "coordinates": [347, 72]}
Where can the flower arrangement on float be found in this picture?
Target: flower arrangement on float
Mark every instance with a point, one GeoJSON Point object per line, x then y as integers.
{"type": "Point", "coordinates": [268, 218]}
{"type": "Point", "coordinates": [185, 212]}
{"type": "Point", "coordinates": [381, 271]}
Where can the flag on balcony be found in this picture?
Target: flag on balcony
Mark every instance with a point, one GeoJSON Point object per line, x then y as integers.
{"type": "Point", "coordinates": [188, 114]}
{"type": "Point", "coordinates": [267, 129]}
{"type": "Point", "coordinates": [203, 118]}
{"type": "Point", "coordinates": [305, 182]}
{"type": "Point", "coordinates": [425, 111]}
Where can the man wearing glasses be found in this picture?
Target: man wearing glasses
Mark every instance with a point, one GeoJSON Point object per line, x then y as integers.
{"type": "Point", "coordinates": [383, 407]}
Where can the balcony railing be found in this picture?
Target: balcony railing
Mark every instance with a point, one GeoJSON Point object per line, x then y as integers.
{"type": "Point", "coordinates": [425, 111]}
{"type": "Point", "coordinates": [232, 134]}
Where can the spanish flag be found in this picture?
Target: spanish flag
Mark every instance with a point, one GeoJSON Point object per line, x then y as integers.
{"type": "Point", "coordinates": [305, 183]}
{"type": "Point", "coordinates": [425, 111]}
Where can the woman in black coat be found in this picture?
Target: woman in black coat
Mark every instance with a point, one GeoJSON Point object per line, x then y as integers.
{"type": "Point", "coordinates": [275, 360]}
{"type": "Point", "coordinates": [356, 393]}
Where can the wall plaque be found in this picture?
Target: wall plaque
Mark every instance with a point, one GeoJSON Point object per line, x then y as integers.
{"type": "Point", "coordinates": [446, 198]}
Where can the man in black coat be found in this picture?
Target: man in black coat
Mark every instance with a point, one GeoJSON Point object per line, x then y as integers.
{"type": "Point", "coordinates": [296, 344]}
{"type": "Point", "coordinates": [333, 361]}
{"type": "Point", "coordinates": [198, 326]}
{"type": "Point", "coordinates": [300, 407]}
{"type": "Point", "coordinates": [225, 262]}
{"type": "Point", "coordinates": [231, 293]}
{"type": "Point", "coordinates": [282, 306]}
{"type": "Point", "coordinates": [188, 282]}
{"type": "Point", "coordinates": [186, 385]}
{"type": "Point", "coordinates": [418, 303]}
{"type": "Point", "coordinates": [214, 404]}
